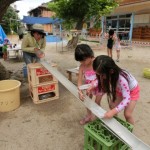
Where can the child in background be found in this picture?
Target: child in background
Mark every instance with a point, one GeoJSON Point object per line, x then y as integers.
{"type": "Point", "coordinates": [118, 46]}
{"type": "Point", "coordinates": [4, 49]}
{"type": "Point", "coordinates": [121, 87]}
{"type": "Point", "coordinates": [85, 55]}
{"type": "Point", "coordinates": [110, 36]}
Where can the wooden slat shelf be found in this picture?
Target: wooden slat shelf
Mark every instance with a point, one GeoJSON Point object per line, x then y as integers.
{"type": "Point", "coordinates": [141, 33]}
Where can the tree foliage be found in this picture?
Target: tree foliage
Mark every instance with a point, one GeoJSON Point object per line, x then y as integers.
{"type": "Point", "coordinates": [81, 10]}
{"type": "Point", "coordinates": [10, 20]}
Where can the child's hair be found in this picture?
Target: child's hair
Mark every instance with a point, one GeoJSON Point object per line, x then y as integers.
{"type": "Point", "coordinates": [105, 65]}
{"type": "Point", "coordinates": [111, 32]}
{"type": "Point", "coordinates": [120, 37]}
{"type": "Point", "coordinates": [82, 52]}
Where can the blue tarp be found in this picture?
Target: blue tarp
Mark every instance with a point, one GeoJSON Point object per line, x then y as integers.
{"type": "Point", "coordinates": [2, 34]}
{"type": "Point", "coordinates": [40, 20]}
{"type": "Point", "coordinates": [53, 38]}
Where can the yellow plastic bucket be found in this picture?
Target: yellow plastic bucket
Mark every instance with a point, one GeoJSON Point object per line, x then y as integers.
{"type": "Point", "coordinates": [9, 95]}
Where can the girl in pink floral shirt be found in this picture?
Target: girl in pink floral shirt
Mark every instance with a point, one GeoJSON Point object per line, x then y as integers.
{"type": "Point", "coordinates": [120, 86]}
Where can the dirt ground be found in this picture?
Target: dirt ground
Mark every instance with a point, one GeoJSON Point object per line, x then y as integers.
{"type": "Point", "coordinates": [55, 125]}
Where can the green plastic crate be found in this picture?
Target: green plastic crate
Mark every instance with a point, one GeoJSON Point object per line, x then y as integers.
{"type": "Point", "coordinates": [97, 137]}
{"type": "Point", "coordinates": [125, 124]}
{"type": "Point", "coordinates": [123, 146]}
{"type": "Point", "coordinates": [129, 126]}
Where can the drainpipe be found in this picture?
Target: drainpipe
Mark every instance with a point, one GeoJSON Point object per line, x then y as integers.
{"type": "Point", "coordinates": [131, 27]}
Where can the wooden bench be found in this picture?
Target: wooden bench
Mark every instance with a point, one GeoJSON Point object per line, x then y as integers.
{"type": "Point", "coordinates": [72, 71]}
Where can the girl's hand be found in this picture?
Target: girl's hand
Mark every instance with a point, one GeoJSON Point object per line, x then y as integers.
{"type": "Point", "coordinates": [110, 114]}
{"type": "Point", "coordinates": [81, 95]}
{"type": "Point", "coordinates": [89, 90]}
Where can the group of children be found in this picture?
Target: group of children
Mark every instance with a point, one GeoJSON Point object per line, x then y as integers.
{"type": "Point", "coordinates": [105, 77]}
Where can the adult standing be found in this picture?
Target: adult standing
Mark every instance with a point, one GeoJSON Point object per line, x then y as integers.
{"type": "Point", "coordinates": [33, 44]}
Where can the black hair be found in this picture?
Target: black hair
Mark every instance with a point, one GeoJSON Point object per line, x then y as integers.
{"type": "Point", "coordinates": [21, 36]}
{"type": "Point", "coordinates": [82, 52]}
{"type": "Point", "coordinates": [105, 65]}
{"type": "Point", "coordinates": [120, 37]}
{"type": "Point", "coordinates": [41, 33]}
{"type": "Point", "coordinates": [111, 32]}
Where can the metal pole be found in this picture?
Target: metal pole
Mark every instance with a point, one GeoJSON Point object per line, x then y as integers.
{"type": "Point", "coordinates": [131, 27]}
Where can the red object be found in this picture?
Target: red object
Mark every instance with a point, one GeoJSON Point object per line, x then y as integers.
{"type": "Point", "coordinates": [46, 88]}
{"type": "Point", "coordinates": [41, 71]}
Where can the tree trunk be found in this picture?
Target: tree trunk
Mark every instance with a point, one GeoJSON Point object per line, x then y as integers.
{"type": "Point", "coordinates": [4, 4]}
{"type": "Point", "coordinates": [79, 25]}
{"type": "Point", "coordinates": [74, 41]}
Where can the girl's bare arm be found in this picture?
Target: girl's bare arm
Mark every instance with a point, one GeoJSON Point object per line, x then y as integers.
{"type": "Point", "coordinates": [80, 77]}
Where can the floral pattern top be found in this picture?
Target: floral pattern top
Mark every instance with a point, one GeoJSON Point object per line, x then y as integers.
{"type": "Point", "coordinates": [124, 87]}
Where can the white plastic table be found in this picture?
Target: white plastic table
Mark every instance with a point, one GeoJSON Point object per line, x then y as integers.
{"type": "Point", "coordinates": [15, 52]}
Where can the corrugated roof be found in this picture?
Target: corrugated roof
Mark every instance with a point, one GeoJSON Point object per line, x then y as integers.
{"type": "Point", "coordinates": [40, 20]}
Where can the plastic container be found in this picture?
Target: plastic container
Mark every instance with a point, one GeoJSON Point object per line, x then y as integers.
{"type": "Point", "coordinates": [44, 92]}
{"type": "Point", "coordinates": [37, 74]}
{"type": "Point", "coordinates": [9, 95]}
{"type": "Point", "coordinates": [97, 137]}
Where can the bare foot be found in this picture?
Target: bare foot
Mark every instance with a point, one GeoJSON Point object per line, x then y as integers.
{"type": "Point", "coordinates": [93, 117]}
{"type": "Point", "coordinates": [85, 120]}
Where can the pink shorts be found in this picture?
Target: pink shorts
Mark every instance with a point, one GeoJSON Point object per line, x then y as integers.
{"type": "Point", "coordinates": [134, 94]}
